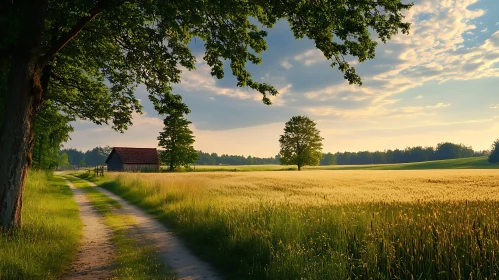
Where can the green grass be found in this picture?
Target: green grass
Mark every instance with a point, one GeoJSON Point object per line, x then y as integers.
{"type": "Point", "coordinates": [48, 240]}
{"type": "Point", "coordinates": [250, 227]}
{"type": "Point", "coordinates": [134, 260]}
{"type": "Point", "coordinates": [461, 163]}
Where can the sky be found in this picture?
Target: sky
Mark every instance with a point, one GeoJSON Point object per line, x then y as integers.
{"type": "Point", "coordinates": [439, 83]}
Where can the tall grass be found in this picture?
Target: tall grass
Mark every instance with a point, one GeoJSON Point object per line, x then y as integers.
{"type": "Point", "coordinates": [48, 240]}
{"type": "Point", "coordinates": [330, 225]}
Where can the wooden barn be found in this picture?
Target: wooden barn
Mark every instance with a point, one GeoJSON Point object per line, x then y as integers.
{"type": "Point", "coordinates": [133, 159]}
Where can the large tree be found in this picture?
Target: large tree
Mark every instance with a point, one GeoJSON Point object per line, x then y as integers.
{"type": "Point", "coordinates": [301, 143]}
{"type": "Point", "coordinates": [88, 56]}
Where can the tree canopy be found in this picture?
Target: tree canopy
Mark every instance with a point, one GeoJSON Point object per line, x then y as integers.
{"type": "Point", "coordinates": [97, 52]}
{"type": "Point", "coordinates": [301, 143]}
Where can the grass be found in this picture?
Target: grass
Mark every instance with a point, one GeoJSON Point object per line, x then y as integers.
{"type": "Point", "coordinates": [134, 261]}
{"type": "Point", "coordinates": [48, 240]}
{"type": "Point", "coordinates": [461, 163]}
{"type": "Point", "coordinates": [438, 224]}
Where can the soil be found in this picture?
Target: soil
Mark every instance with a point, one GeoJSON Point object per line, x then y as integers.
{"type": "Point", "coordinates": [96, 255]}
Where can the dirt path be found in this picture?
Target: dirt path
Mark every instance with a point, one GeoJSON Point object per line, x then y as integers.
{"type": "Point", "coordinates": [95, 257]}
{"type": "Point", "coordinates": [170, 249]}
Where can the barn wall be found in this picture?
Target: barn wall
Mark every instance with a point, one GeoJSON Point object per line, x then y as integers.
{"type": "Point", "coordinates": [140, 167]}
{"type": "Point", "coordinates": [114, 163]}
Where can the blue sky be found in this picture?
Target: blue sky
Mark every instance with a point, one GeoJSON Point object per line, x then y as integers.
{"type": "Point", "coordinates": [440, 83]}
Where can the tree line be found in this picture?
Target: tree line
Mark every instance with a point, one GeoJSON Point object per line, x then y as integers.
{"type": "Point", "coordinates": [93, 157]}
{"type": "Point", "coordinates": [446, 150]}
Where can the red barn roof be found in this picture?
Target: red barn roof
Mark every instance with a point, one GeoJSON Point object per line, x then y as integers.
{"type": "Point", "coordinates": [136, 155]}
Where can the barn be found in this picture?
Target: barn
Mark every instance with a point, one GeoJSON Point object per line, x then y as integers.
{"type": "Point", "coordinates": [133, 159]}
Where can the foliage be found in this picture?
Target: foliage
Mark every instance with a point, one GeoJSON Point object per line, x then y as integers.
{"type": "Point", "coordinates": [410, 154]}
{"type": "Point", "coordinates": [301, 143]}
{"type": "Point", "coordinates": [494, 153]}
{"type": "Point", "coordinates": [98, 52]}
{"type": "Point", "coordinates": [328, 159]}
{"type": "Point", "coordinates": [449, 150]}
{"type": "Point", "coordinates": [93, 157]}
{"type": "Point", "coordinates": [329, 225]}
{"type": "Point", "coordinates": [225, 159]}
{"type": "Point", "coordinates": [51, 129]}
{"type": "Point", "coordinates": [176, 137]}
{"type": "Point", "coordinates": [62, 161]}
{"type": "Point", "coordinates": [48, 241]}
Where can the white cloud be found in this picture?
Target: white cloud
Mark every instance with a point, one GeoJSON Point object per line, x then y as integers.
{"type": "Point", "coordinates": [200, 80]}
{"type": "Point", "coordinates": [286, 64]}
{"type": "Point", "coordinates": [433, 51]}
{"type": "Point", "coordinates": [419, 97]}
{"type": "Point", "coordinates": [375, 111]}
{"type": "Point", "coordinates": [310, 57]}
{"type": "Point", "coordinates": [494, 106]}
{"type": "Point", "coordinates": [484, 30]}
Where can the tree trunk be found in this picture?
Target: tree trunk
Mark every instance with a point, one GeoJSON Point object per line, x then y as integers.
{"type": "Point", "coordinates": [16, 140]}
{"type": "Point", "coordinates": [299, 167]}
{"type": "Point", "coordinates": [23, 99]}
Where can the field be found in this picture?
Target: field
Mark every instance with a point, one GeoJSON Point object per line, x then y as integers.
{"type": "Point", "coordinates": [421, 224]}
{"type": "Point", "coordinates": [462, 163]}
{"type": "Point", "coordinates": [48, 240]}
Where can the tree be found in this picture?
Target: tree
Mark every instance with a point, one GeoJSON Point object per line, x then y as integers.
{"type": "Point", "coordinates": [97, 156]}
{"type": "Point", "coordinates": [51, 130]}
{"type": "Point", "coordinates": [88, 56]}
{"type": "Point", "coordinates": [328, 159]}
{"type": "Point", "coordinates": [494, 153]}
{"type": "Point", "coordinates": [301, 143]}
{"type": "Point", "coordinates": [62, 161]}
{"type": "Point", "coordinates": [176, 138]}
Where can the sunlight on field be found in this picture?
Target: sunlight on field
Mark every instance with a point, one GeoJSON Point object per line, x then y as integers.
{"type": "Point", "coordinates": [328, 187]}
{"type": "Point", "coordinates": [330, 224]}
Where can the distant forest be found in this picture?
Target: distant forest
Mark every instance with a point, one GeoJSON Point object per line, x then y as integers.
{"type": "Point", "coordinates": [98, 155]}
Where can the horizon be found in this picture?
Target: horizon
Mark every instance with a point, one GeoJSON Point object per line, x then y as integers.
{"type": "Point", "coordinates": [435, 85]}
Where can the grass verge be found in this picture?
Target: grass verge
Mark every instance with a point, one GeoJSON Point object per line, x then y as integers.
{"type": "Point", "coordinates": [134, 260]}
{"type": "Point", "coordinates": [48, 240]}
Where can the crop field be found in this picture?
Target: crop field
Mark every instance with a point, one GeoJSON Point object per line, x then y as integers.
{"type": "Point", "coordinates": [357, 224]}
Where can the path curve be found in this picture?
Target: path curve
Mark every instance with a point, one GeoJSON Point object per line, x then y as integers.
{"type": "Point", "coordinates": [169, 247]}
{"type": "Point", "coordinates": [95, 258]}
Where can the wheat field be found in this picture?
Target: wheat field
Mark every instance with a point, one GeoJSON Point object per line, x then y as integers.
{"type": "Point", "coordinates": [432, 224]}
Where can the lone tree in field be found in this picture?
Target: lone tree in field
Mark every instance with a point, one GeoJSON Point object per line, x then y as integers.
{"type": "Point", "coordinates": [176, 138]}
{"type": "Point", "coordinates": [494, 153]}
{"type": "Point", "coordinates": [301, 143]}
{"type": "Point", "coordinates": [88, 56]}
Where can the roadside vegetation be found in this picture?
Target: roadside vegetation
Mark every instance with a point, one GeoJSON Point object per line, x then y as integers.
{"type": "Point", "coordinates": [435, 224]}
{"type": "Point", "coordinates": [134, 260]}
{"type": "Point", "coordinates": [48, 240]}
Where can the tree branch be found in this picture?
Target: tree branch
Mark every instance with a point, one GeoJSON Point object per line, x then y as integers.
{"type": "Point", "coordinates": [71, 34]}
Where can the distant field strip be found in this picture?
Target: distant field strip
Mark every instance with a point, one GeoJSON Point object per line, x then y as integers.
{"type": "Point", "coordinates": [438, 224]}
{"type": "Point", "coordinates": [461, 163]}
